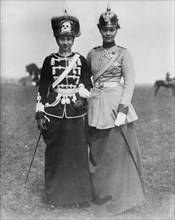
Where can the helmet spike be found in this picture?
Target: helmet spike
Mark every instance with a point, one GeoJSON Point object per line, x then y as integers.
{"type": "Point", "coordinates": [108, 9]}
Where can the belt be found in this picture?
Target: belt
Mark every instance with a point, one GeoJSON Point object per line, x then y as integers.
{"type": "Point", "coordinates": [66, 91]}
{"type": "Point", "coordinates": [100, 84]}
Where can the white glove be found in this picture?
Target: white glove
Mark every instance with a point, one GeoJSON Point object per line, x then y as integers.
{"type": "Point", "coordinates": [84, 93]}
{"type": "Point", "coordinates": [120, 120]}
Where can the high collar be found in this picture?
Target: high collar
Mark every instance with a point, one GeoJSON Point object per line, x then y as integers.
{"type": "Point", "coordinates": [62, 55]}
{"type": "Point", "coordinates": [108, 45]}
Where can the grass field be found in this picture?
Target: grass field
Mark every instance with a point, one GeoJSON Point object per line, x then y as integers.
{"type": "Point", "coordinates": [155, 129]}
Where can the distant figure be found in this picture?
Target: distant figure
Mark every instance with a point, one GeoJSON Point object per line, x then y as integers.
{"type": "Point", "coordinates": [168, 83]}
{"type": "Point", "coordinates": [168, 79]}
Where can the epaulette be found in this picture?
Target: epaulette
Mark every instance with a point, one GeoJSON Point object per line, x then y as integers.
{"type": "Point", "coordinates": [77, 53]}
{"type": "Point", "coordinates": [51, 54]}
{"type": "Point", "coordinates": [120, 47]}
{"type": "Point", "coordinates": [96, 47]}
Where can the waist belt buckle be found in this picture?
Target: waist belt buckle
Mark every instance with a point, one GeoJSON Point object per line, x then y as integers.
{"type": "Point", "coordinates": [100, 85]}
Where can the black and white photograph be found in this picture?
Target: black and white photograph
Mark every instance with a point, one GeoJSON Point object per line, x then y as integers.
{"type": "Point", "coordinates": [87, 110]}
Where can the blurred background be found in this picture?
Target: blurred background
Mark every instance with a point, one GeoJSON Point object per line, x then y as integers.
{"type": "Point", "coordinates": [147, 30]}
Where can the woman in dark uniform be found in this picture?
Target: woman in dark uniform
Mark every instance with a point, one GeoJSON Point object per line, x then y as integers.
{"type": "Point", "coordinates": [116, 171]}
{"type": "Point", "coordinates": [60, 112]}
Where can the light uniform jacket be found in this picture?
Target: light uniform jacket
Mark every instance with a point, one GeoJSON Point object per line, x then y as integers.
{"type": "Point", "coordinates": [104, 101]}
{"type": "Point", "coordinates": [59, 102]}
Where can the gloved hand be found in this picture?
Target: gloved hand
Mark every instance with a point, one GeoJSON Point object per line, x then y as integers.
{"type": "Point", "coordinates": [80, 104]}
{"type": "Point", "coordinates": [120, 120]}
{"type": "Point", "coordinates": [41, 124]}
{"type": "Point", "coordinates": [83, 92]}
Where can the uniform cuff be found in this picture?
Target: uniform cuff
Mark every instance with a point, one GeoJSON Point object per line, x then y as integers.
{"type": "Point", "coordinates": [123, 108]}
{"type": "Point", "coordinates": [81, 85]}
{"type": "Point", "coordinates": [39, 115]}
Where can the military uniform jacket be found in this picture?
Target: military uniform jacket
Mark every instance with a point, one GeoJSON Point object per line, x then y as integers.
{"type": "Point", "coordinates": [59, 102]}
{"type": "Point", "coordinates": [104, 101]}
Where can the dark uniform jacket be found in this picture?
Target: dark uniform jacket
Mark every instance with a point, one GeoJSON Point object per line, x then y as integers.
{"type": "Point", "coordinates": [60, 101]}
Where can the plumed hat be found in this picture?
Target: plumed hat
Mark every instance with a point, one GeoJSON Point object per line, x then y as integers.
{"type": "Point", "coordinates": [108, 19]}
{"type": "Point", "coordinates": [65, 25]}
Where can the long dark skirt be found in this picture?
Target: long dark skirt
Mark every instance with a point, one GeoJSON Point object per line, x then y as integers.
{"type": "Point", "coordinates": [67, 176]}
{"type": "Point", "coordinates": [116, 172]}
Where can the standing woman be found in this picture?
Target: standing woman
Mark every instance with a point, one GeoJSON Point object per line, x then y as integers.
{"type": "Point", "coordinates": [60, 112]}
{"type": "Point", "coordinates": [116, 172]}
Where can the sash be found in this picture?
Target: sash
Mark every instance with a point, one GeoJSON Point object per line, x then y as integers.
{"type": "Point", "coordinates": [66, 71]}
{"type": "Point", "coordinates": [115, 57]}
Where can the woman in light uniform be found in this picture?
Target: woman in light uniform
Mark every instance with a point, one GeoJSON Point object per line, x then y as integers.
{"type": "Point", "coordinates": [116, 168]}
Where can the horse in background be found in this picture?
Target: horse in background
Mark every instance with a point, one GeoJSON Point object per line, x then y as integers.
{"type": "Point", "coordinates": [34, 75]}
{"type": "Point", "coordinates": [170, 84]}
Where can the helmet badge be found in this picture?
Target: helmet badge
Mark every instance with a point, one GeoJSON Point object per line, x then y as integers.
{"type": "Point", "coordinates": [66, 27]}
{"type": "Point", "coordinates": [107, 15]}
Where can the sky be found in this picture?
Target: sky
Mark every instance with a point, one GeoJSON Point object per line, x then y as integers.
{"type": "Point", "coordinates": [147, 30]}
